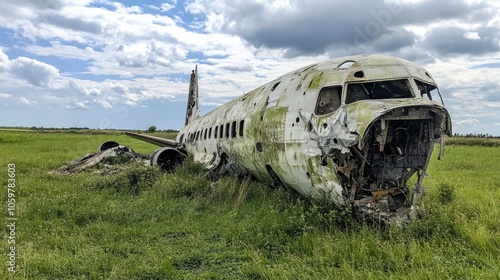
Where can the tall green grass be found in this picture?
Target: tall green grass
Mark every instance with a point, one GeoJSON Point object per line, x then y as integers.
{"type": "Point", "coordinates": [144, 224]}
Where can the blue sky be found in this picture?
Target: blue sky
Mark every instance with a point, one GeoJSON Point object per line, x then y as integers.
{"type": "Point", "coordinates": [120, 64]}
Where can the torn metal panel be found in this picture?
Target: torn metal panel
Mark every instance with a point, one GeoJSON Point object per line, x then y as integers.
{"type": "Point", "coordinates": [210, 161]}
{"type": "Point", "coordinates": [334, 134]}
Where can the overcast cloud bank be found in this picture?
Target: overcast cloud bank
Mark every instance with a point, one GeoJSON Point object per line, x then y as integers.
{"type": "Point", "coordinates": [84, 63]}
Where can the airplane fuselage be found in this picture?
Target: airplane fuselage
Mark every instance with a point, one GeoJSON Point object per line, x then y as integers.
{"type": "Point", "coordinates": [350, 130]}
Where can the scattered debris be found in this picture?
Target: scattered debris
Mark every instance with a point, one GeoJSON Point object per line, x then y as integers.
{"type": "Point", "coordinates": [109, 157]}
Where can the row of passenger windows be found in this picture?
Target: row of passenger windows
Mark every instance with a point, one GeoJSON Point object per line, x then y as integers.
{"type": "Point", "coordinates": [228, 130]}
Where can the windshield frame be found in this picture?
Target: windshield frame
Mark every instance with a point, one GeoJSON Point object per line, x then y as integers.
{"type": "Point", "coordinates": [385, 86]}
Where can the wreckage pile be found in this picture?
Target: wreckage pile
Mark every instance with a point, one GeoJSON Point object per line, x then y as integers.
{"type": "Point", "coordinates": [110, 154]}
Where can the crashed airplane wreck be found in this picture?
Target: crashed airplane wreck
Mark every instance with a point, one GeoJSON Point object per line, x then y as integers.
{"type": "Point", "coordinates": [352, 131]}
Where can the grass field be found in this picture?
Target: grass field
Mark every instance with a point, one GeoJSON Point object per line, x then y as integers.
{"type": "Point", "coordinates": [142, 224]}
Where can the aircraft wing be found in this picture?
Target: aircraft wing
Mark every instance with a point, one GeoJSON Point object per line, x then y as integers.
{"type": "Point", "coordinates": [162, 142]}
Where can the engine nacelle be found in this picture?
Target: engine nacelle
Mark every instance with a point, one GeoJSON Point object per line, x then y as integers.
{"type": "Point", "coordinates": [167, 158]}
{"type": "Point", "coordinates": [108, 145]}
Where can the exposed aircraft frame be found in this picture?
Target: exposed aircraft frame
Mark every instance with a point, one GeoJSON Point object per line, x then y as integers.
{"type": "Point", "coordinates": [350, 131]}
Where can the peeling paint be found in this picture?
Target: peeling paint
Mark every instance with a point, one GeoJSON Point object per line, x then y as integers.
{"type": "Point", "coordinates": [315, 81]}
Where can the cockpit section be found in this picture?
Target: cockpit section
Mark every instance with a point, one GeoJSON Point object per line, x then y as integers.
{"type": "Point", "coordinates": [377, 174]}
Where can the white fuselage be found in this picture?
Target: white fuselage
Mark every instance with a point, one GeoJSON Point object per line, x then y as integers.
{"type": "Point", "coordinates": [324, 130]}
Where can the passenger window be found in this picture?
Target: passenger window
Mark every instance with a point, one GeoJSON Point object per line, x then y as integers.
{"type": "Point", "coordinates": [221, 131]}
{"type": "Point", "coordinates": [227, 130]}
{"type": "Point", "coordinates": [205, 134]}
{"type": "Point", "coordinates": [215, 131]}
{"type": "Point", "coordinates": [210, 133]}
{"type": "Point", "coordinates": [233, 129]}
{"type": "Point", "coordinates": [328, 100]}
{"type": "Point", "coordinates": [242, 124]}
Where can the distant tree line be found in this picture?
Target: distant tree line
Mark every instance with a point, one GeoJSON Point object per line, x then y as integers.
{"type": "Point", "coordinates": [475, 135]}
{"type": "Point", "coordinates": [55, 128]}
{"type": "Point", "coordinates": [153, 129]}
{"type": "Point", "coordinates": [150, 129]}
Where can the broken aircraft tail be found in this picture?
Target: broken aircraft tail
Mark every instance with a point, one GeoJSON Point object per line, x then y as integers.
{"type": "Point", "coordinates": [192, 103]}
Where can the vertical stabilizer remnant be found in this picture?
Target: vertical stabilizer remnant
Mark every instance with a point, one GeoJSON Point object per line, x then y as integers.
{"type": "Point", "coordinates": [192, 103]}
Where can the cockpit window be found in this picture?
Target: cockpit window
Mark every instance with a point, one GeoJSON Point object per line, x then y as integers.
{"type": "Point", "coordinates": [328, 100]}
{"type": "Point", "coordinates": [426, 90]}
{"type": "Point", "coordinates": [378, 90]}
{"type": "Point", "coordinates": [346, 64]}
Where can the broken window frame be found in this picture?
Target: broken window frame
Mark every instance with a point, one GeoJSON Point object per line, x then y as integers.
{"type": "Point", "coordinates": [368, 90]}
{"type": "Point", "coordinates": [346, 64]}
{"type": "Point", "coordinates": [333, 107]}
{"type": "Point", "coordinates": [425, 88]}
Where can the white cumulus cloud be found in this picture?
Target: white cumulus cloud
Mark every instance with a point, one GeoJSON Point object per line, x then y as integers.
{"type": "Point", "coordinates": [27, 102]}
{"type": "Point", "coordinates": [78, 105]}
{"type": "Point", "coordinates": [165, 7]}
{"type": "Point", "coordinates": [467, 121]}
{"type": "Point", "coordinates": [33, 71]}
